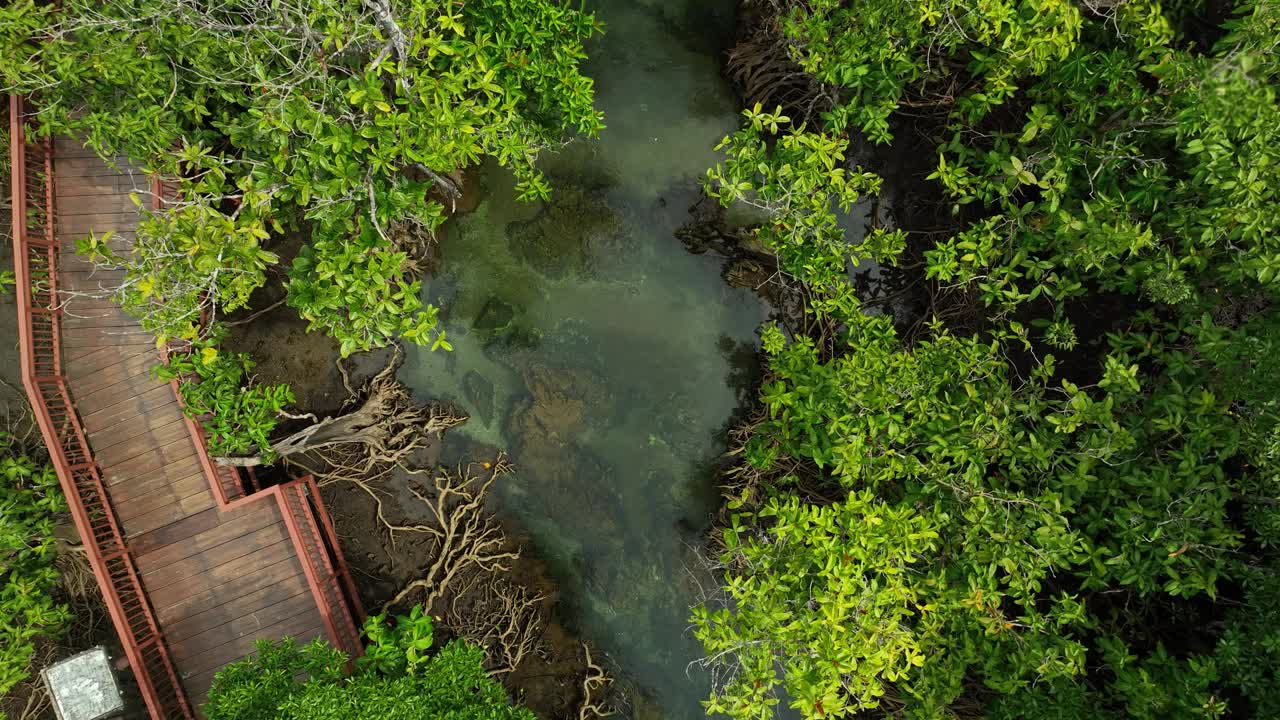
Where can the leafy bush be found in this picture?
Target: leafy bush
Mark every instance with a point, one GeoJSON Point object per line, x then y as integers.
{"type": "Point", "coordinates": [1033, 519]}
{"type": "Point", "coordinates": [800, 181]}
{"type": "Point", "coordinates": [870, 53]}
{"type": "Point", "coordinates": [217, 387]}
{"type": "Point", "coordinates": [358, 294]}
{"type": "Point", "coordinates": [397, 678]}
{"type": "Point", "coordinates": [30, 502]}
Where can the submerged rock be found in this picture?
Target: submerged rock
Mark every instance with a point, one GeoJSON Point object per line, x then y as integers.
{"type": "Point", "coordinates": [744, 273]}
{"type": "Point", "coordinates": [496, 315]}
{"type": "Point", "coordinates": [544, 430]}
{"type": "Point", "coordinates": [479, 392]}
{"type": "Point", "coordinates": [574, 224]}
{"type": "Point", "coordinates": [558, 407]}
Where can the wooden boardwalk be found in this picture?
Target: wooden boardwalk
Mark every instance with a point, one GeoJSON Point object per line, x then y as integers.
{"type": "Point", "coordinates": [217, 569]}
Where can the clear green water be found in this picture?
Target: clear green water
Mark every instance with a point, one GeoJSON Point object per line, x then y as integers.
{"type": "Point", "coordinates": [604, 358]}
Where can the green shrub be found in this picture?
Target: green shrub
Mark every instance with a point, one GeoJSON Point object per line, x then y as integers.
{"type": "Point", "coordinates": [218, 388]}
{"type": "Point", "coordinates": [30, 503]}
{"type": "Point", "coordinates": [1018, 521]}
{"type": "Point", "coordinates": [397, 678]}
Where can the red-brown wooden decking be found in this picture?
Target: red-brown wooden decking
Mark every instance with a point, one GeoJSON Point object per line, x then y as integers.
{"type": "Point", "coordinates": [193, 571]}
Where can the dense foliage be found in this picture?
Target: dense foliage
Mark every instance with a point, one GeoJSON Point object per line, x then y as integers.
{"type": "Point", "coordinates": [217, 386]}
{"type": "Point", "coordinates": [397, 678]}
{"type": "Point", "coordinates": [30, 502]}
{"type": "Point", "coordinates": [1050, 510]}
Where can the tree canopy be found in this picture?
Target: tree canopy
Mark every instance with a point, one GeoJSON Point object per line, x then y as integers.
{"type": "Point", "coordinates": [346, 114]}
{"type": "Point", "coordinates": [1046, 499]}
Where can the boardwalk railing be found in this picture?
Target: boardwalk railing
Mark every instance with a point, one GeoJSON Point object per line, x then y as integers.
{"type": "Point", "coordinates": [35, 252]}
{"type": "Point", "coordinates": [326, 571]}
{"type": "Point", "coordinates": [306, 519]}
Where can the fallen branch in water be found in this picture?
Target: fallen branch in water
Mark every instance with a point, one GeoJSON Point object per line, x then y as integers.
{"type": "Point", "coordinates": [380, 427]}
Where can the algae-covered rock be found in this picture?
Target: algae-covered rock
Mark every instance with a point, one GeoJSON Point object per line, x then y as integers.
{"type": "Point", "coordinates": [555, 415]}
{"type": "Point", "coordinates": [558, 406]}
{"type": "Point", "coordinates": [479, 392]}
{"type": "Point", "coordinates": [496, 315]}
{"type": "Point", "coordinates": [574, 224]}
{"type": "Point", "coordinates": [544, 429]}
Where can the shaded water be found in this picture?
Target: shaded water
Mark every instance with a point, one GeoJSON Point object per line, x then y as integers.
{"type": "Point", "coordinates": [604, 358]}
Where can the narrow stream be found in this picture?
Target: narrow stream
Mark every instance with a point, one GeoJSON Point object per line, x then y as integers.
{"type": "Point", "coordinates": [603, 357]}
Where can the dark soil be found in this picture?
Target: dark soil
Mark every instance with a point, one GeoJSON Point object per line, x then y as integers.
{"type": "Point", "coordinates": [279, 343]}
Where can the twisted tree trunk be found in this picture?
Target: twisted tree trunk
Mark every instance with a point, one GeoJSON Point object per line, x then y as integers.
{"type": "Point", "coordinates": [386, 426]}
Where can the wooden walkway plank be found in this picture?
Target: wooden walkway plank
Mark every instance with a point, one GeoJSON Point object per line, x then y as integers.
{"type": "Point", "coordinates": [131, 506]}
{"type": "Point", "coordinates": [281, 559]}
{"type": "Point", "coordinates": [219, 564]}
{"type": "Point", "coordinates": [94, 185]}
{"type": "Point", "coordinates": [182, 542]}
{"type": "Point", "coordinates": [139, 402]}
{"type": "Point", "coordinates": [159, 448]}
{"type": "Point", "coordinates": [99, 204]}
{"type": "Point", "coordinates": [204, 599]}
{"type": "Point", "coordinates": [80, 164]}
{"type": "Point", "coordinates": [88, 366]}
{"type": "Point", "coordinates": [74, 355]}
{"type": "Point", "coordinates": [110, 382]}
{"type": "Point", "coordinates": [167, 515]}
{"type": "Point", "coordinates": [155, 481]}
{"type": "Point", "coordinates": [162, 487]}
{"type": "Point", "coordinates": [241, 611]}
{"type": "Point", "coordinates": [217, 577]}
{"type": "Point", "coordinates": [211, 658]}
{"type": "Point", "coordinates": [75, 227]}
{"type": "Point", "coordinates": [159, 427]}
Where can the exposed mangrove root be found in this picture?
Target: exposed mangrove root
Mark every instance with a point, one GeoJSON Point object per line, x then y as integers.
{"type": "Point", "coordinates": [465, 538]}
{"type": "Point", "coordinates": [761, 67]}
{"type": "Point", "coordinates": [500, 616]}
{"type": "Point", "coordinates": [380, 427]}
{"type": "Point", "coordinates": [747, 486]}
{"type": "Point", "coordinates": [466, 580]}
{"type": "Point", "coordinates": [595, 681]}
